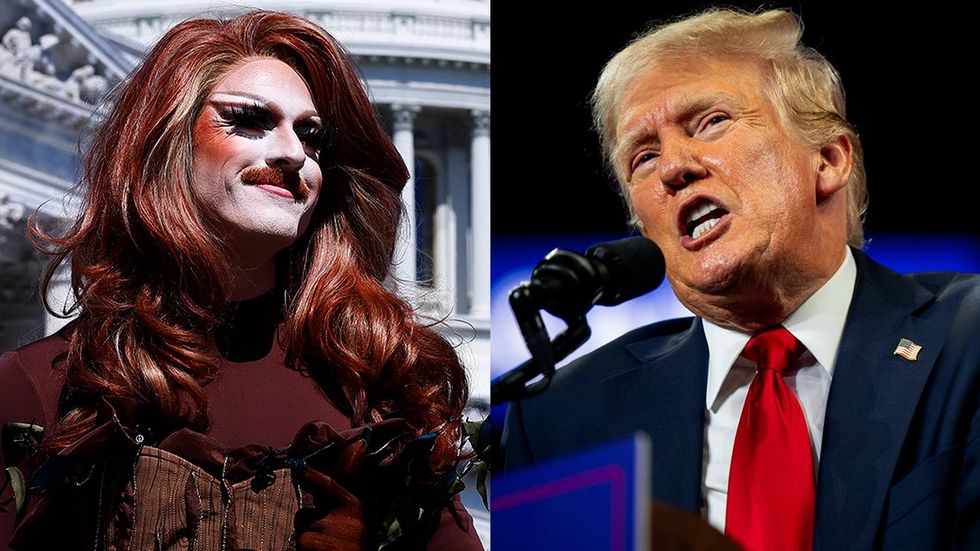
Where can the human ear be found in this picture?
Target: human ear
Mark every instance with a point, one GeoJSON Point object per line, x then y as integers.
{"type": "Point", "coordinates": [834, 166]}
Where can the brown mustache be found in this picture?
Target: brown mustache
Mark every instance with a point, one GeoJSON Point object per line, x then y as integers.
{"type": "Point", "coordinates": [275, 176]}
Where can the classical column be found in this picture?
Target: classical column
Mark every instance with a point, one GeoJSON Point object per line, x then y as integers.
{"type": "Point", "coordinates": [405, 249]}
{"type": "Point", "coordinates": [458, 179]}
{"type": "Point", "coordinates": [444, 241]}
{"type": "Point", "coordinates": [480, 183]}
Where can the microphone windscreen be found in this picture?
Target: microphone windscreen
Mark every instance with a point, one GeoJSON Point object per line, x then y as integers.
{"type": "Point", "coordinates": [636, 266]}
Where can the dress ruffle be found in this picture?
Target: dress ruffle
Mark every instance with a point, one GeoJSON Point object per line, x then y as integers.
{"type": "Point", "coordinates": [117, 489]}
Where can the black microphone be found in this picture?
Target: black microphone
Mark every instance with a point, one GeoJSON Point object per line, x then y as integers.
{"type": "Point", "coordinates": [567, 284]}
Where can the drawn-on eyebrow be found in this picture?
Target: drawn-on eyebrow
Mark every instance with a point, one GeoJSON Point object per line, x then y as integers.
{"type": "Point", "coordinates": [681, 110]}
{"type": "Point", "coordinates": [308, 115]}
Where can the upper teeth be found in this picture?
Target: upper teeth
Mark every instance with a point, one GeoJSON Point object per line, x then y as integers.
{"type": "Point", "coordinates": [701, 211]}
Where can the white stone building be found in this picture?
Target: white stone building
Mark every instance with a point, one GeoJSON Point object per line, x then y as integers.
{"type": "Point", "coordinates": [427, 67]}
{"type": "Point", "coordinates": [54, 69]}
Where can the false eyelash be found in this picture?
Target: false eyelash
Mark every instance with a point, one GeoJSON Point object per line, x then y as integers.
{"type": "Point", "coordinates": [316, 137]}
{"type": "Point", "coordinates": [247, 116]}
{"type": "Point", "coordinates": [322, 137]}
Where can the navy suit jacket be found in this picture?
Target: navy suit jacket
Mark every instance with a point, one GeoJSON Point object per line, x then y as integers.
{"type": "Point", "coordinates": [900, 462]}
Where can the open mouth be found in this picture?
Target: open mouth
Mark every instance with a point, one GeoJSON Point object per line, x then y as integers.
{"type": "Point", "coordinates": [702, 216]}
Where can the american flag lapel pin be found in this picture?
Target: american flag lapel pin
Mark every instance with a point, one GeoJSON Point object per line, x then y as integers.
{"type": "Point", "coordinates": [908, 350]}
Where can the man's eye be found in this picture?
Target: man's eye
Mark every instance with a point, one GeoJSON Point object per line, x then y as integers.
{"type": "Point", "coordinates": [711, 121]}
{"type": "Point", "coordinates": [646, 157]}
{"type": "Point", "coordinates": [642, 160]}
{"type": "Point", "coordinates": [714, 120]}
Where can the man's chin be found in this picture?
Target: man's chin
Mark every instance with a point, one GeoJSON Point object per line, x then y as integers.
{"type": "Point", "coordinates": [705, 284]}
{"type": "Point", "coordinates": [710, 270]}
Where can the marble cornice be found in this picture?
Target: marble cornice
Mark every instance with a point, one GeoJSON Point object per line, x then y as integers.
{"type": "Point", "coordinates": [405, 32]}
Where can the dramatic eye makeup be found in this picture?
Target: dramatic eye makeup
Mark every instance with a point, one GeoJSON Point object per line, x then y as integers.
{"type": "Point", "coordinates": [313, 135]}
{"type": "Point", "coordinates": [253, 120]}
{"type": "Point", "coordinates": [249, 119]}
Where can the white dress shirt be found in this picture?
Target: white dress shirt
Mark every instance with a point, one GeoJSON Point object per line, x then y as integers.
{"type": "Point", "coordinates": [818, 323]}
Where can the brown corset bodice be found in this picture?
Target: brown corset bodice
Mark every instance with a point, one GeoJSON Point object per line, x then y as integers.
{"type": "Point", "coordinates": [110, 491]}
{"type": "Point", "coordinates": [180, 506]}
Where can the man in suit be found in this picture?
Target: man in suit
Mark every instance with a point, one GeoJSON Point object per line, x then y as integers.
{"type": "Point", "coordinates": [817, 398]}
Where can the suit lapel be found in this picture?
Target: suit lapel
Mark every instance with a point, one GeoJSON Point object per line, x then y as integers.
{"type": "Point", "coordinates": [666, 393]}
{"type": "Point", "coordinates": [872, 400]}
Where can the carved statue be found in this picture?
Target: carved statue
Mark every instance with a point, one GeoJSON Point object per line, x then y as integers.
{"type": "Point", "coordinates": [20, 52]}
{"type": "Point", "coordinates": [23, 60]}
{"type": "Point", "coordinates": [83, 84]}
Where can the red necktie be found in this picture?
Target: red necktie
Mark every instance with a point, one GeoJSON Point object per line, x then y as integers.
{"type": "Point", "coordinates": [770, 485]}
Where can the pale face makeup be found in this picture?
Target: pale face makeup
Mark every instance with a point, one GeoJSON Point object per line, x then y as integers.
{"type": "Point", "coordinates": [256, 146]}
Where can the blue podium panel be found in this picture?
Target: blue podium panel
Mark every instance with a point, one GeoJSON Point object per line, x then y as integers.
{"type": "Point", "coordinates": [595, 500]}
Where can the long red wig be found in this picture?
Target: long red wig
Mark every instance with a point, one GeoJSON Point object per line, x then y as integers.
{"type": "Point", "coordinates": [147, 266]}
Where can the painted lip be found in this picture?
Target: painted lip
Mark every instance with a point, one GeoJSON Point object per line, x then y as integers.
{"type": "Point", "coordinates": [685, 210]}
{"type": "Point", "coordinates": [276, 190]}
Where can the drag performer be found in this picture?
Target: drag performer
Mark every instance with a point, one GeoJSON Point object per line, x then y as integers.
{"type": "Point", "coordinates": [240, 374]}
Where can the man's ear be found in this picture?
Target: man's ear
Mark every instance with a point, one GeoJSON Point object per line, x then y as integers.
{"type": "Point", "coordinates": [834, 168]}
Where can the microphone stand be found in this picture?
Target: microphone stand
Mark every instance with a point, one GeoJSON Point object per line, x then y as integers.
{"type": "Point", "coordinates": [545, 353]}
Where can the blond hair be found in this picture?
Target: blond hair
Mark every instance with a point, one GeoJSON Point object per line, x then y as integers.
{"type": "Point", "coordinates": [804, 86]}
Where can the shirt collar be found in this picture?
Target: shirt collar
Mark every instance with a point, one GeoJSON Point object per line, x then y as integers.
{"type": "Point", "coordinates": [818, 323]}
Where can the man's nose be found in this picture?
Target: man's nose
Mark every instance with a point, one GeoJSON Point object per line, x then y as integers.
{"type": "Point", "coordinates": [286, 150]}
{"type": "Point", "coordinates": [679, 162]}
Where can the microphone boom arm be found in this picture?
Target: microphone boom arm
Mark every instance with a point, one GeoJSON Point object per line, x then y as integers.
{"type": "Point", "coordinates": [545, 353]}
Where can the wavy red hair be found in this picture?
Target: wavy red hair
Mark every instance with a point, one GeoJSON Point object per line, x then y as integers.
{"type": "Point", "coordinates": [145, 261]}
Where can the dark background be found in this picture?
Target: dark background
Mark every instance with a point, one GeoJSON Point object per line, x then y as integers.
{"type": "Point", "coordinates": [905, 73]}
